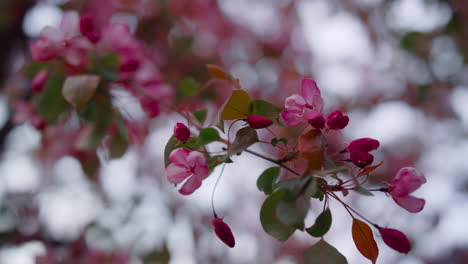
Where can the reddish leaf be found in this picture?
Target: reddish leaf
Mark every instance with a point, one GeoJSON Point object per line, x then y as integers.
{"type": "Point", "coordinates": [218, 73]}
{"type": "Point", "coordinates": [364, 240]}
{"type": "Point", "coordinates": [369, 169]}
{"type": "Point", "coordinates": [310, 148]}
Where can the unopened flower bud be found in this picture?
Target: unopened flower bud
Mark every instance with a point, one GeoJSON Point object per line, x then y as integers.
{"type": "Point", "coordinates": [258, 122]}
{"type": "Point", "coordinates": [223, 231]}
{"type": "Point", "coordinates": [337, 120]}
{"type": "Point", "coordinates": [181, 132]}
{"type": "Point", "coordinates": [317, 120]}
{"type": "Point", "coordinates": [396, 240]}
{"type": "Point", "coordinates": [39, 81]}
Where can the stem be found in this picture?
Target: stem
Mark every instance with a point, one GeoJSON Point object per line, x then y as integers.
{"type": "Point", "coordinates": [213, 192]}
{"type": "Point", "coordinates": [273, 161]}
{"type": "Point", "coordinates": [350, 208]}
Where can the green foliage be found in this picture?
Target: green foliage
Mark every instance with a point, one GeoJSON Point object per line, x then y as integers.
{"type": "Point", "coordinates": [200, 115]}
{"type": "Point", "coordinates": [293, 212]}
{"type": "Point", "coordinates": [188, 87]}
{"type": "Point", "coordinates": [269, 220]}
{"type": "Point", "coordinates": [275, 141]}
{"type": "Point", "coordinates": [101, 116]}
{"type": "Point", "coordinates": [322, 224]}
{"type": "Point", "coordinates": [323, 253]}
{"type": "Point", "coordinates": [208, 135]}
{"type": "Point", "coordinates": [50, 103]}
{"type": "Point", "coordinates": [265, 109]}
{"type": "Point", "coordinates": [106, 67]}
{"type": "Point", "coordinates": [266, 180]}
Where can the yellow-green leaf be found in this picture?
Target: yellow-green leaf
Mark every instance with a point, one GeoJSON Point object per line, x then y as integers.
{"type": "Point", "coordinates": [364, 240]}
{"type": "Point", "coordinates": [237, 107]}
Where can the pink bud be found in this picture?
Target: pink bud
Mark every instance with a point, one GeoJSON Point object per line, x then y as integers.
{"type": "Point", "coordinates": [396, 240]}
{"type": "Point", "coordinates": [316, 120]}
{"type": "Point", "coordinates": [258, 122]}
{"type": "Point", "coordinates": [223, 231]}
{"type": "Point", "coordinates": [361, 159]}
{"type": "Point", "coordinates": [88, 29]}
{"type": "Point", "coordinates": [130, 65]}
{"type": "Point", "coordinates": [363, 145]}
{"type": "Point", "coordinates": [337, 120]}
{"type": "Point", "coordinates": [39, 81]}
{"type": "Point", "coordinates": [181, 132]}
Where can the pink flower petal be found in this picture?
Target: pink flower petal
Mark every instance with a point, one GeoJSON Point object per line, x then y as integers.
{"type": "Point", "coordinates": [294, 103]}
{"type": "Point", "coordinates": [69, 25]}
{"type": "Point", "coordinates": [311, 94]}
{"type": "Point", "coordinates": [410, 203]}
{"type": "Point", "coordinates": [179, 156]}
{"type": "Point", "coordinates": [406, 181]}
{"type": "Point", "coordinates": [190, 186]}
{"type": "Point", "coordinates": [197, 161]}
{"type": "Point", "coordinates": [290, 118]}
{"type": "Point", "coordinates": [176, 174]}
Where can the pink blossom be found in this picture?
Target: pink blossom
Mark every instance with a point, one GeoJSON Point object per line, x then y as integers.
{"type": "Point", "coordinates": [406, 181]}
{"type": "Point", "coordinates": [64, 41]}
{"type": "Point", "coordinates": [187, 163]}
{"type": "Point", "coordinates": [89, 30]}
{"type": "Point", "coordinates": [223, 232]}
{"type": "Point", "coordinates": [395, 240]}
{"type": "Point", "coordinates": [337, 120]}
{"type": "Point", "coordinates": [316, 120]}
{"type": "Point", "coordinates": [359, 151]}
{"type": "Point", "coordinates": [39, 81]}
{"type": "Point", "coordinates": [301, 108]}
{"type": "Point", "coordinates": [258, 122]}
{"type": "Point", "coordinates": [150, 106]}
{"type": "Point", "coordinates": [181, 132]}
{"type": "Point", "coordinates": [26, 112]}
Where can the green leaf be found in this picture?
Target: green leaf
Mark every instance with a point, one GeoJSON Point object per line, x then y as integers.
{"type": "Point", "coordinates": [102, 115]}
{"type": "Point", "coordinates": [266, 180]}
{"type": "Point", "coordinates": [270, 221]}
{"type": "Point", "coordinates": [322, 224]}
{"type": "Point", "coordinates": [106, 66]}
{"type": "Point", "coordinates": [245, 137]}
{"type": "Point", "coordinates": [200, 115]}
{"type": "Point", "coordinates": [208, 135]}
{"type": "Point", "coordinates": [119, 141]}
{"type": "Point", "coordinates": [237, 107]}
{"type": "Point", "coordinates": [323, 253]}
{"type": "Point", "coordinates": [293, 212]}
{"type": "Point", "coordinates": [188, 87]}
{"type": "Point", "coordinates": [79, 89]}
{"type": "Point", "coordinates": [275, 141]}
{"type": "Point", "coordinates": [265, 109]}
{"type": "Point", "coordinates": [295, 187]}
{"type": "Point", "coordinates": [50, 103]}
{"type": "Point", "coordinates": [409, 42]}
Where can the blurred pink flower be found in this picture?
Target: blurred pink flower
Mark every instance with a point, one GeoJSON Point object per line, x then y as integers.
{"type": "Point", "coordinates": [301, 108]}
{"type": "Point", "coordinates": [187, 163]}
{"type": "Point", "coordinates": [223, 231]}
{"type": "Point", "coordinates": [63, 42]}
{"type": "Point", "coordinates": [89, 30]}
{"type": "Point", "coordinates": [406, 181]}
{"type": "Point", "coordinates": [39, 81]}
{"type": "Point", "coordinates": [337, 120]}
{"type": "Point", "coordinates": [395, 240]}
